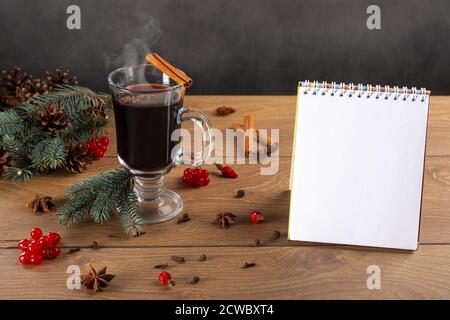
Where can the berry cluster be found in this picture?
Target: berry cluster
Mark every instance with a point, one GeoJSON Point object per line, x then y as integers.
{"type": "Point", "coordinates": [98, 146]}
{"type": "Point", "coordinates": [196, 177]}
{"type": "Point", "coordinates": [39, 247]}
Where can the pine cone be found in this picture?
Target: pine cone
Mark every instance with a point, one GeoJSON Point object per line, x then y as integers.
{"type": "Point", "coordinates": [59, 77]}
{"type": "Point", "coordinates": [30, 88]}
{"type": "Point", "coordinates": [19, 86]}
{"type": "Point", "coordinates": [78, 157]}
{"type": "Point", "coordinates": [10, 82]}
{"type": "Point", "coordinates": [51, 120]}
{"type": "Point", "coordinates": [5, 161]}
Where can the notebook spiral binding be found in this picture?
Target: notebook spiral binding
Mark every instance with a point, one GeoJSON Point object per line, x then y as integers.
{"type": "Point", "coordinates": [364, 91]}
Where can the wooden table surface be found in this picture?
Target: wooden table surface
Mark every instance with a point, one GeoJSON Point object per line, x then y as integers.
{"type": "Point", "coordinates": [284, 269]}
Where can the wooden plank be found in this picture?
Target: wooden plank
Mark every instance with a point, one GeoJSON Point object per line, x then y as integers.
{"type": "Point", "coordinates": [268, 194]}
{"type": "Point", "coordinates": [280, 273]}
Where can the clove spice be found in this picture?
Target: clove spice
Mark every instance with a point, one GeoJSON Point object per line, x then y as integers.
{"type": "Point", "coordinates": [178, 259]}
{"type": "Point", "coordinates": [257, 243]}
{"type": "Point", "coordinates": [249, 265]}
{"type": "Point", "coordinates": [184, 218]}
{"type": "Point", "coordinates": [195, 280]}
{"type": "Point", "coordinates": [276, 235]}
{"type": "Point", "coordinates": [240, 193]}
{"type": "Point", "coordinates": [162, 266]}
{"type": "Point", "coordinates": [73, 250]}
{"type": "Point", "coordinates": [202, 257]}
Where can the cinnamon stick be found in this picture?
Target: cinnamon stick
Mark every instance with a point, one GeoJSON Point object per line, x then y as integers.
{"type": "Point", "coordinates": [237, 126]}
{"type": "Point", "coordinates": [168, 69]}
{"type": "Point", "coordinates": [249, 125]}
{"type": "Point", "coordinates": [265, 141]}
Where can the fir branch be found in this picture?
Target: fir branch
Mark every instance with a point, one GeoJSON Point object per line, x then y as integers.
{"type": "Point", "coordinates": [48, 154]}
{"type": "Point", "coordinates": [10, 122]}
{"type": "Point", "coordinates": [98, 197]}
{"type": "Point", "coordinates": [37, 157]}
{"type": "Point", "coordinates": [54, 153]}
{"type": "Point", "coordinates": [84, 127]}
{"type": "Point", "coordinates": [35, 150]}
{"type": "Point", "coordinates": [10, 144]}
{"type": "Point", "coordinates": [71, 99]}
{"type": "Point", "coordinates": [19, 156]}
{"type": "Point", "coordinates": [128, 211]}
{"type": "Point", "coordinates": [18, 175]}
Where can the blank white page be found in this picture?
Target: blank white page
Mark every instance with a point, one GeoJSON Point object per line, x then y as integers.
{"type": "Point", "coordinates": [358, 169]}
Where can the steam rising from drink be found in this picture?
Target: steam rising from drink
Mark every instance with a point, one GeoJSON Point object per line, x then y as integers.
{"type": "Point", "coordinates": [144, 37]}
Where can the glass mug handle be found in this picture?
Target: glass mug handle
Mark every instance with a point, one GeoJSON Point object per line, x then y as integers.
{"type": "Point", "coordinates": [196, 158]}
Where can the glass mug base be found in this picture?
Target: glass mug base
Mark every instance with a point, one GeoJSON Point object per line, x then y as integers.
{"type": "Point", "coordinates": [163, 208]}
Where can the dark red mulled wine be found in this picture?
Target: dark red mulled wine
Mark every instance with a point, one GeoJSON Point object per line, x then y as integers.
{"type": "Point", "coordinates": [145, 120]}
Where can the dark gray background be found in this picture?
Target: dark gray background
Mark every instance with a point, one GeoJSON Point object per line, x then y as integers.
{"type": "Point", "coordinates": [236, 46]}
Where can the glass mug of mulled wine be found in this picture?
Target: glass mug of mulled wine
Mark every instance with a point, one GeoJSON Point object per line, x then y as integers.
{"type": "Point", "coordinates": [148, 109]}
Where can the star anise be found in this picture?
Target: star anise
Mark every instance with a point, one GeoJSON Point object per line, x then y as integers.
{"type": "Point", "coordinates": [225, 219]}
{"type": "Point", "coordinates": [40, 204]}
{"type": "Point", "coordinates": [96, 281]}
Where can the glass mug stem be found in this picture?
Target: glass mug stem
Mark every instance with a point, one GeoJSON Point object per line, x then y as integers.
{"type": "Point", "coordinates": [148, 188]}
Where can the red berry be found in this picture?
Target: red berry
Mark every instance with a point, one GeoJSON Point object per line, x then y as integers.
{"type": "Point", "coordinates": [54, 238]}
{"type": "Point", "coordinates": [97, 153]}
{"type": "Point", "coordinates": [97, 141]}
{"type": "Point", "coordinates": [256, 217]}
{"type": "Point", "coordinates": [44, 242]}
{"type": "Point", "coordinates": [204, 173]}
{"type": "Point", "coordinates": [227, 171]}
{"type": "Point", "coordinates": [34, 248]}
{"type": "Point", "coordinates": [104, 140]}
{"type": "Point", "coordinates": [200, 181]}
{"type": "Point", "coordinates": [91, 145]}
{"type": "Point", "coordinates": [102, 148]}
{"type": "Point", "coordinates": [52, 252]}
{"type": "Point", "coordinates": [23, 244]}
{"type": "Point", "coordinates": [165, 277]}
{"type": "Point", "coordinates": [25, 257]}
{"type": "Point", "coordinates": [36, 233]}
{"type": "Point", "coordinates": [35, 259]}
{"type": "Point", "coordinates": [185, 179]}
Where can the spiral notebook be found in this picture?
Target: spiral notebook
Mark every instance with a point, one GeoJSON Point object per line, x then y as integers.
{"type": "Point", "coordinates": [357, 164]}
